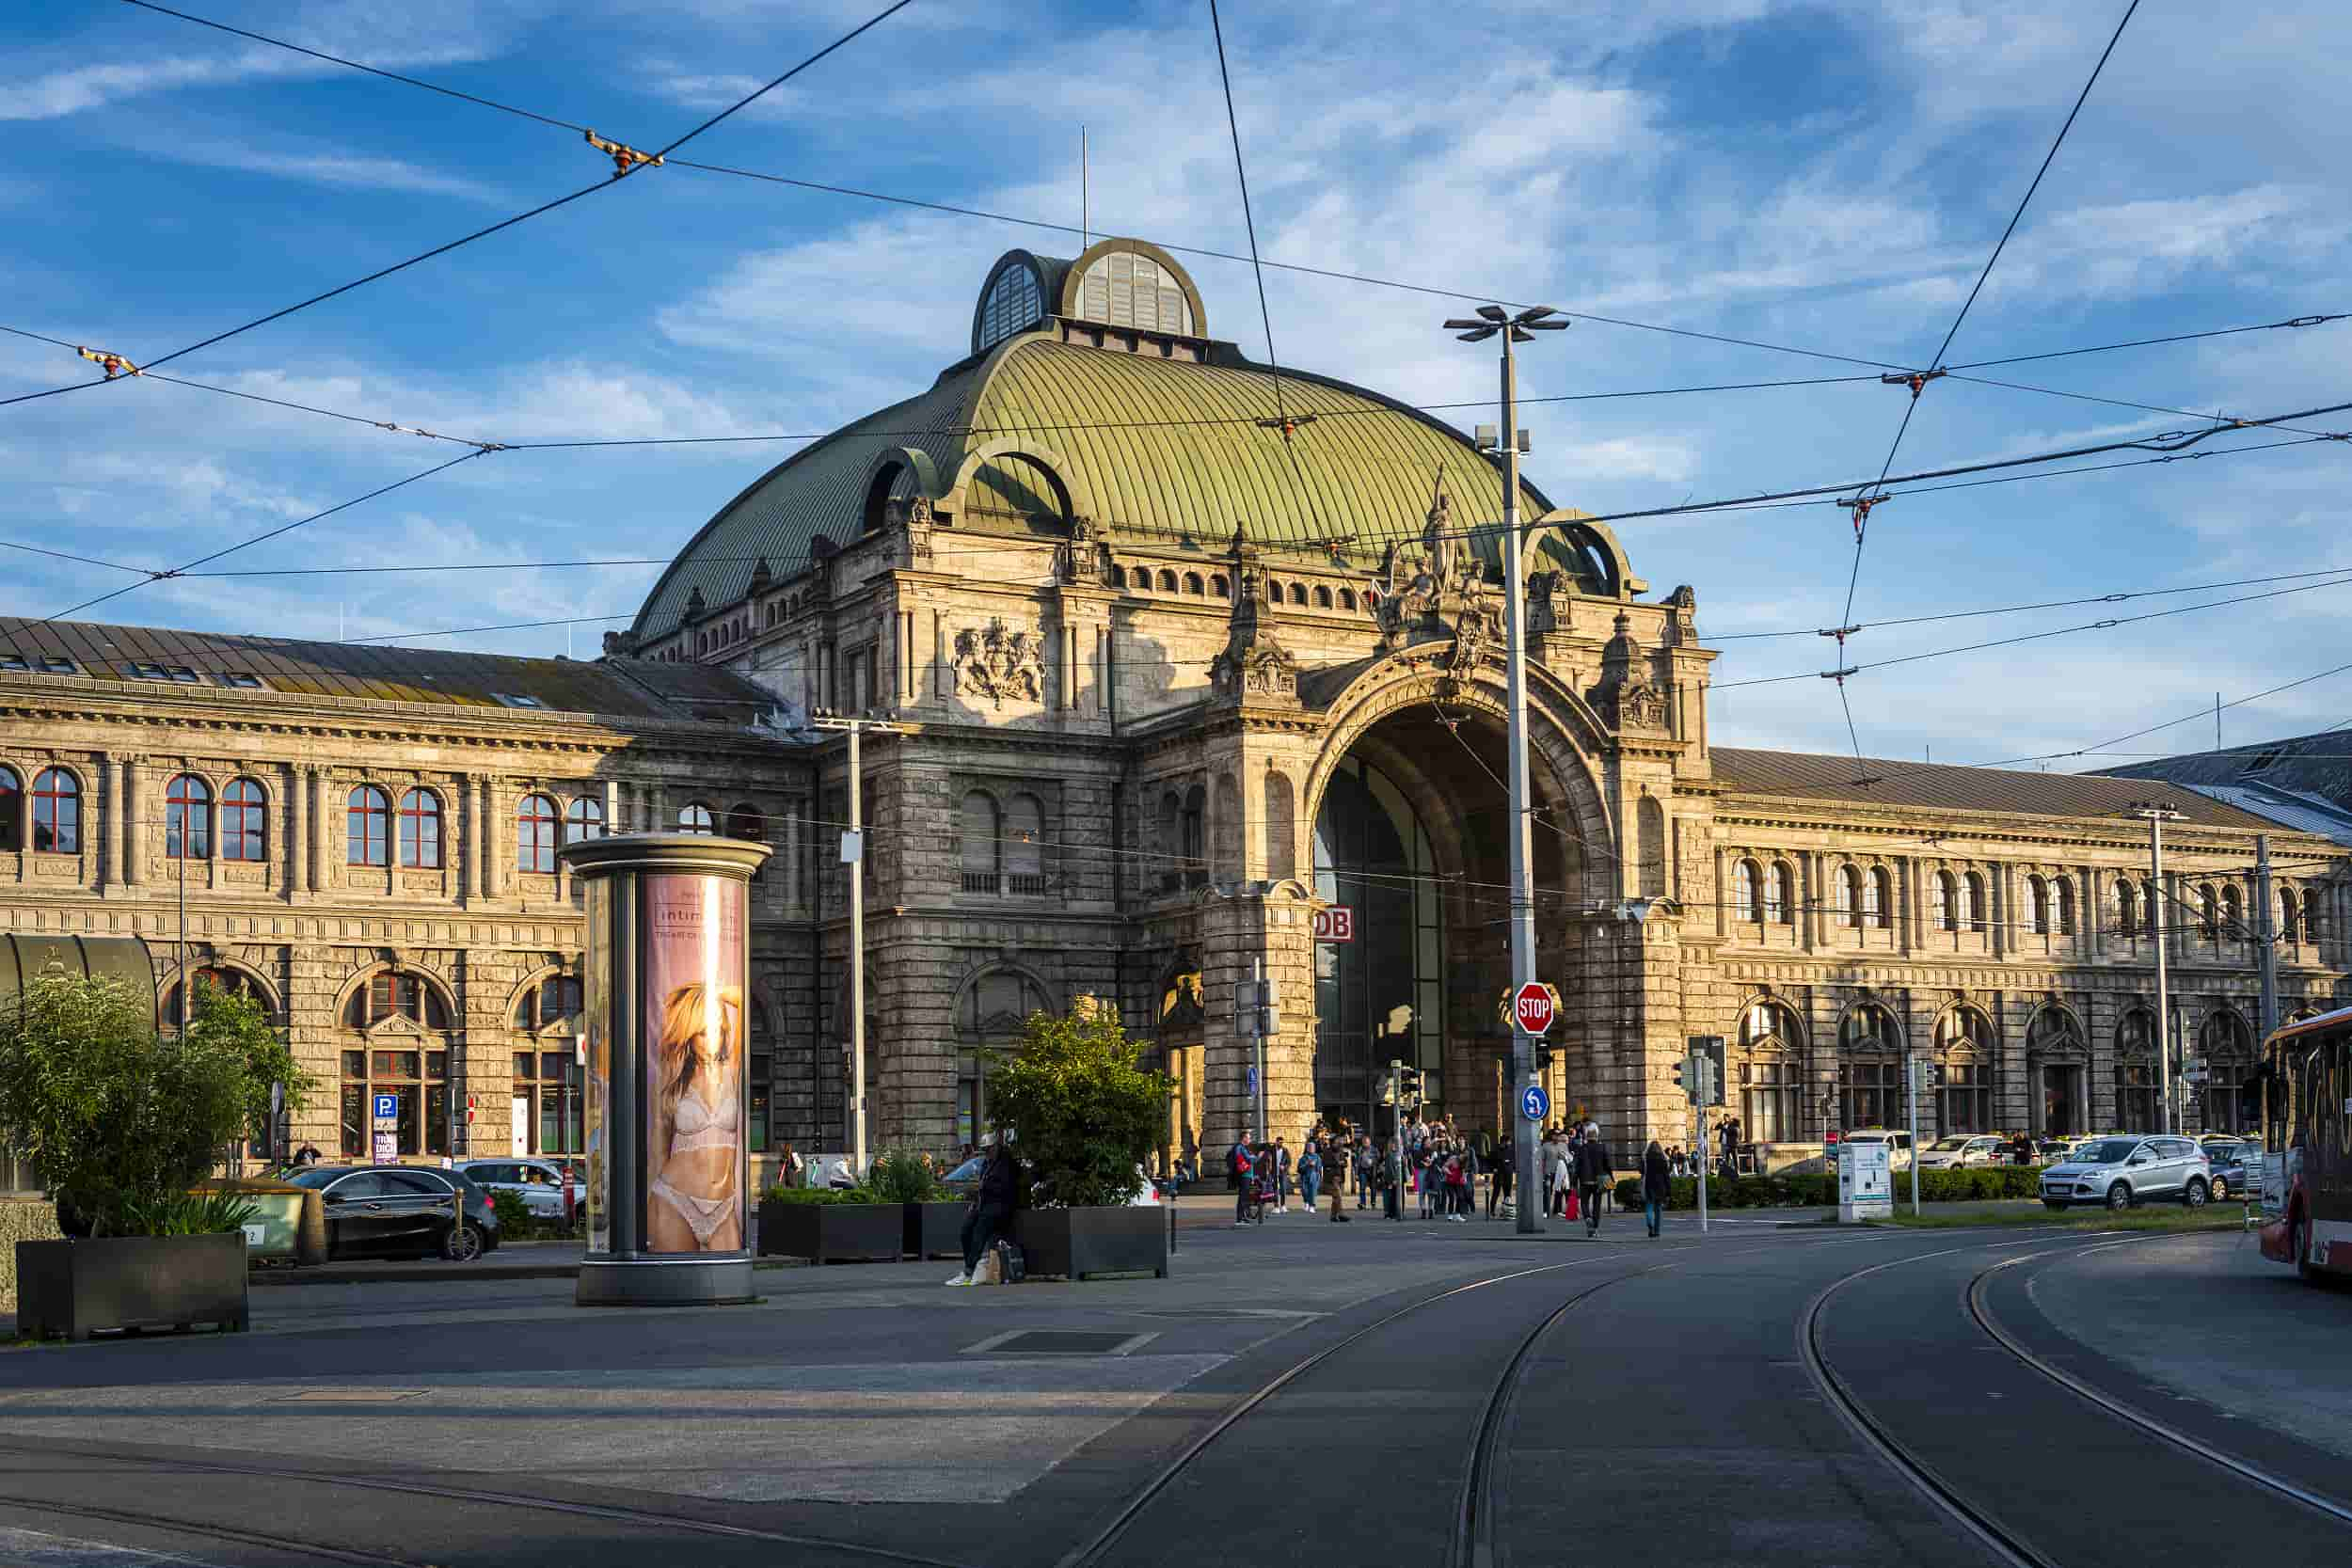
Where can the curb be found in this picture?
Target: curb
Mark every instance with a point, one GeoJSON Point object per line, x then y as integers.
{"type": "Point", "coordinates": [461, 1273]}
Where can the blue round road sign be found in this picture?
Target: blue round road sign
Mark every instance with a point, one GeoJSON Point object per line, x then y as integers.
{"type": "Point", "coordinates": [1535, 1104]}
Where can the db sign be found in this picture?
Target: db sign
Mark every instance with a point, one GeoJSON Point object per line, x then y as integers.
{"type": "Point", "coordinates": [1530, 1005]}
{"type": "Point", "coordinates": [1335, 923]}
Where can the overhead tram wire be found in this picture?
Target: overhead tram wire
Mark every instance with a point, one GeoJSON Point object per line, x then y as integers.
{"type": "Point", "coordinates": [2205, 712]}
{"type": "Point", "coordinates": [504, 223]}
{"type": "Point", "coordinates": [1918, 383]}
{"type": "Point", "coordinates": [2117, 597]}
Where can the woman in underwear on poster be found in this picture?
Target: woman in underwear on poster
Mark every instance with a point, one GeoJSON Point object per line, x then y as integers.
{"type": "Point", "coordinates": [697, 1123]}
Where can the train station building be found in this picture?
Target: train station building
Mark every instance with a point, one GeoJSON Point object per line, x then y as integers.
{"type": "Point", "coordinates": [1175, 678]}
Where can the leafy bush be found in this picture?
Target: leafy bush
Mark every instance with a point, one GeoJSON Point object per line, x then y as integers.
{"type": "Point", "coordinates": [121, 1121]}
{"type": "Point", "coordinates": [1087, 1111]}
{"type": "Point", "coordinates": [902, 1176]}
{"type": "Point", "coordinates": [822, 1195]}
{"type": "Point", "coordinates": [1819, 1191]}
{"type": "Point", "coordinates": [204, 1213]}
{"type": "Point", "coordinates": [512, 1212]}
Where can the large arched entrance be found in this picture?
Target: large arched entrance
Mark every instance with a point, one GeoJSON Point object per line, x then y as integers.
{"type": "Point", "coordinates": [1409, 836]}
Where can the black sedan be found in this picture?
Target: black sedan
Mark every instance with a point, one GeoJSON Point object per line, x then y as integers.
{"type": "Point", "coordinates": [402, 1211]}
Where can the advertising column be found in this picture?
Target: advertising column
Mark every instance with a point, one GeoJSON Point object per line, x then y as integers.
{"type": "Point", "coordinates": [664, 1042]}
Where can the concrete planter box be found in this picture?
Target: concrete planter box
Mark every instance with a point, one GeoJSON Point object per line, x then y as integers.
{"type": "Point", "coordinates": [833, 1233]}
{"type": "Point", "coordinates": [934, 1229]}
{"type": "Point", "coordinates": [71, 1289]}
{"type": "Point", "coordinates": [1075, 1243]}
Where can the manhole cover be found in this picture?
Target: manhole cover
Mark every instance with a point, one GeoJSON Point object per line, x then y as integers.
{"type": "Point", "coordinates": [1059, 1341]}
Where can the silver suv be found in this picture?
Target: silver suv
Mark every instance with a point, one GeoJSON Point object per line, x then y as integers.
{"type": "Point", "coordinates": [2123, 1171]}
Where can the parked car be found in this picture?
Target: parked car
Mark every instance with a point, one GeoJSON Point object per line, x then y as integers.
{"type": "Point", "coordinates": [2121, 1172]}
{"type": "Point", "coordinates": [1897, 1145]}
{"type": "Point", "coordinates": [402, 1210]}
{"type": "Point", "coordinates": [1979, 1148]}
{"type": "Point", "coordinates": [2236, 1167]}
{"type": "Point", "coordinates": [539, 1184]}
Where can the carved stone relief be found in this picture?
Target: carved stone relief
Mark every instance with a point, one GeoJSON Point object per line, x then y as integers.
{"type": "Point", "coordinates": [996, 661]}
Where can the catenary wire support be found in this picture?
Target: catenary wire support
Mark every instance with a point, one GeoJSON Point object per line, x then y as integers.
{"type": "Point", "coordinates": [1860, 506]}
{"type": "Point", "coordinates": [113, 364]}
{"type": "Point", "coordinates": [1916, 380]}
{"type": "Point", "coordinates": [625, 157]}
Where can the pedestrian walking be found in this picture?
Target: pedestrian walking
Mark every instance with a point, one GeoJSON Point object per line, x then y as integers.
{"type": "Point", "coordinates": [1362, 1163]}
{"type": "Point", "coordinates": [1457, 1191]}
{"type": "Point", "coordinates": [1593, 1174]}
{"type": "Point", "coordinates": [1310, 1176]}
{"type": "Point", "coordinates": [1657, 1185]}
{"type": "Point", "coordinates": [993, 1199]}
{"type": "Point", "coordinates": [1239, 1167]}
{"type": "Point", "coordinates": [1499, 1185]}
{"type": "Point", "coordinates": [1281, 1177]}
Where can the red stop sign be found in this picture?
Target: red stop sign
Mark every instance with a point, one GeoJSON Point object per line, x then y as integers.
{"type": "Point", "coordinates": [1531, 1005]}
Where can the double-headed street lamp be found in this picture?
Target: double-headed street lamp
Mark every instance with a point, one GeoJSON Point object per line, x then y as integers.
{"type": "Point", "coordinates": [1494, 321]}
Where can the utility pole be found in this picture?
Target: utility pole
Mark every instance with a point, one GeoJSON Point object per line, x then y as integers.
{"type": "Point", "coordinates": [1493, 321]}
{"type": "Point", "coordinates": [1913, 1070]}
{"type": "Point", "coordinates": [1257, 1021]}
{"type": "Point", "coordinates": [2266, 938]}
{"type": "Point", "coordinates": [2159, 919]}
{"type": "Point", "coordinates": [853, 855]}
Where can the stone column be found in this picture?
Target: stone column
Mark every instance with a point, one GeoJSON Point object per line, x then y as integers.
{"type": "Point", "coordinates": [612, 807]}
{"type": "Point", "coordinates": [117, 816]}
{"type": "Point", "coordinates": [2087, 911]}
{"type": "Point", "coordinates": [474, 875]}
{"type": "Point", "coordinates": [1723, 895]}
{"type": "Point", "coordinates": [134, 839]}
{"type": "Point", "coordinates": [314, 801]}
{"type": "Point", "coordinates": [298, 841]}
{"type": "Point", "coordinates": [1908, 878]}
{"type": "Point", "coordinates": [1809, 868]}
{"type": "Point", "coordinates": [486, 791]}
{"type": "Point", "coordinates": [2004, 941]}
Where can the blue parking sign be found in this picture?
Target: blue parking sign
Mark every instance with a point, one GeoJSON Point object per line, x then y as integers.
{"type": "Point", "coordinates": [387, 1107]}
{"type": "Point", "coordinates": [1534, 1102]}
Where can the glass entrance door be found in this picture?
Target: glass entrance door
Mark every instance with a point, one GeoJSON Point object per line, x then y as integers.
{"type": "Point", "coordinates": [1381, 997]}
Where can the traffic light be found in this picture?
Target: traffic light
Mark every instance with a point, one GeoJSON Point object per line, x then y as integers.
{"type": "Point", "coordinates": [1685, 1079]}
{"type": "Point", "coordinates": [1409, 1085]}
{"type": "Point", "coordinates": [1709, 1050]}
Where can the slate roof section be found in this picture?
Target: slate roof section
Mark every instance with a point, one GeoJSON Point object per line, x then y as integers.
{"type": "Point", "coordinates": [2303, 814]}
{"type": "Point", "coordinates": [1166, 450]}
{"type": "Point", "coordinates": [630, 688]}
{"type": "Point", "coordinates": [1812, 776]}
{"type": "Point", "coordinates": [2312, 765]}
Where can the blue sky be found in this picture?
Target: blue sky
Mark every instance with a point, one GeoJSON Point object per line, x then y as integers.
{"type": "Point", "coordinates": [1827, 175]}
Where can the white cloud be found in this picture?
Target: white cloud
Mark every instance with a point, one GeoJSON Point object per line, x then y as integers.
{"type": "Point", "coordinates": [343, 170]}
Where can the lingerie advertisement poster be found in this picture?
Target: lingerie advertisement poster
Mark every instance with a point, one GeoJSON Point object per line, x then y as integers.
{"type": "Point", "coordinates": [596, 1020]}
{"type": "Point", "coordinates": [695, 962]}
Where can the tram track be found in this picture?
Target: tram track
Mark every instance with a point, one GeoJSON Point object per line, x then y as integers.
{"type": "Point", "coordinates": [2005, 1540]}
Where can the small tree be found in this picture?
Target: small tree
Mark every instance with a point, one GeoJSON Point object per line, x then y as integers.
{"type": "Point", "coordinates": [119, 1121]}
{"type": "Point", "coordinates": [1084, 1110]}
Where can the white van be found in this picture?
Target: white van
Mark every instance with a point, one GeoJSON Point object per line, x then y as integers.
{"type": "Point", "coordinates": [1897, 1144]}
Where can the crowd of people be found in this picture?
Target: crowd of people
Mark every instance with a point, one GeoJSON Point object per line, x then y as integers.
{"type": "Point", "coordinates": [1442, 1173]}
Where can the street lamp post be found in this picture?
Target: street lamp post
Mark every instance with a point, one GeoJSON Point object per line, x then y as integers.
{"type": "Point", "coordinates": [1493, 322]}
{"type": "Point", "coordinates": [853, 855]}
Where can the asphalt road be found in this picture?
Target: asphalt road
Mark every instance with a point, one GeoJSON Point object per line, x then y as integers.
{"type": "Point", "coordinates": [1657, 1400]}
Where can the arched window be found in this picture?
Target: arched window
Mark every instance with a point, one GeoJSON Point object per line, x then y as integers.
{"type": "Point", "coordinates": [188, 818]}
{"type": "Point", "coordinates": [393, 994]}
{"type": "Point", "coordinates": [368, 827]}
{"type": "Point", "coordinates": [745, 822]}
{"type": "Point", "coordinates": [982, 849]}
{"type": "Point", "coordinates": [552, 1001]}
{"type": "Point", "coordinates": [1347, 598]}
{"type": "Point", "coordinates": [1024, 847]}
{"type": "Point", "coordinates": [694, 817]}
{"type": "Point", "coordinates": [420, 830]}
{"type": "Point", "coordinates": [2063, 890]}
{"type": "Point", "coordinates": [583, 819]}
{"type": "Point", "coordinates": [2232, 1097]}
{"type": "Point", "coordinates": [57, 812]}
{"type": "Point", "coordinates": [1967, 1045]}
{"type": "Point", "coordinates": [1192, 583]}
{"type": "Point", "coordinates": [1743, 905]}
{"type": "Point", "coordinates": [2288, 930]}
{"type": "Point", "coordinates": [1219, 586]}
{"type": "Point", "coordinates": [1167, 582]}
{"type": "Point", "coordinates": [1298, 594]}
{"type": "Point", "coordinates": [1878, 899]}
{"type": "Point", "coordinates": [244, 821]}
{"type": "Point", "coordinates": [1282, 826]}
{"type": "Point", "coordinates": [234, 981]}
{"type": "Point", "coordinates": [2310, 916]}
{"type": "Point", "coordinates": [1771, 1072]}
{"type": "Point", "coordinates": [2232, 912]}
{"type": "Point", "coordinates": [2036, 906]}
{"type": "Point", "coordinates": [535, 835]}
{"type": "Point", "coordinates": [1780, 896]}
{"type": "Point", "coordinates": [1119, 575]}
{"type": "Point", "coordinates": [11, 806]}
{"type": "Point", "coordinates": [1869, 1070]}
{"type": "Point", "coordinates": [2126, 909]}
{"type": "Point", "coordinates": [2208, 912]}
{"type": "Point", "coordinates": [1972, 901]}
{"type": "Point", "coordinates": [1849, 896]}
{"type": "Point", "coordinates": [989, 1017]}
{"type": "Point", "coordinates": [1322, 597]}
{"type": "Point", "coordinates": [1943, 898]}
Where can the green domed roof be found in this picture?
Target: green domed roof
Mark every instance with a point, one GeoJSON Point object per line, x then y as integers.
{"type": "Point", "coordinates": [1156, 438]}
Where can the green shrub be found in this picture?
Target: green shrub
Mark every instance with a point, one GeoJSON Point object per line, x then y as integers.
{"type": "Point", "coordinates": [902, 1176]}
{"type": "Point", "coordinates": [192, 1214]}
{"type": "Point", "coordinates": [121, 1121]}
{"type": "Point", "coordinates": [1973, 1184]}
{"type": "Point", "coordinates": [822, 1195]}
{"type": "Point", "coordinates": [512, 1212]}
{"type": "Point", "coordinates": [1086, 1110]}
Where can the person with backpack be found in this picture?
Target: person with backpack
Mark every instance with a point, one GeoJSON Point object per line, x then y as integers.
{"type": "Point", "coordinates": [1240, 1167]}
{"type": "Point", "coordinates": [993, 1199]}
{"type": "Point", "coordinates": [1593, 1174]}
